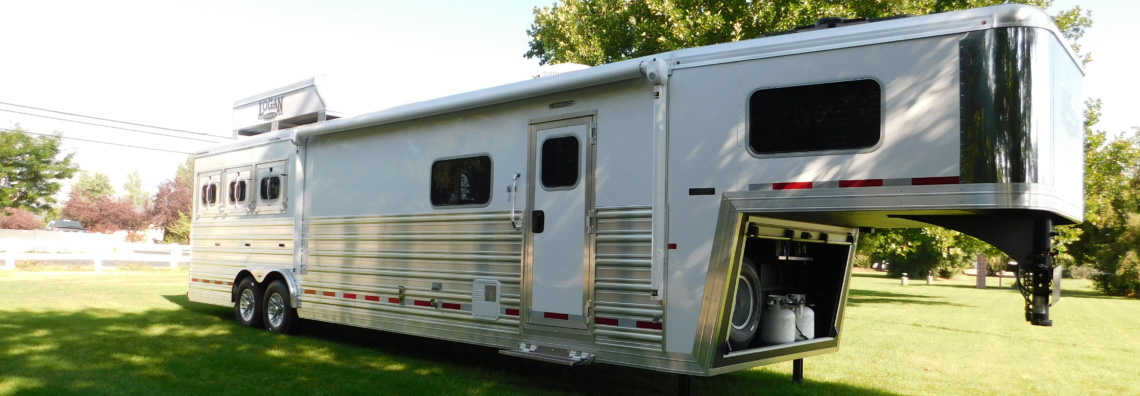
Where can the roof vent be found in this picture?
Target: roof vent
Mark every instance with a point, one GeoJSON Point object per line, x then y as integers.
{"type": "Point", "coordinates": [290, 106]}
{"type": "Point", "coordinates": [830, 22]}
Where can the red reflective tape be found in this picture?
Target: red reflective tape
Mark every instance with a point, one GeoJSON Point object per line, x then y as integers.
{"type": "Point", "coordinates": [229, 283]}
{"type": "Point", "coordinates": [217, 282]}
{"type": "Point", "coordinates": [350, 296]}
{"type": "Point", "coordinates": [606, 321]}
{"type": "Point", "coordinates": [310, 291]}
{"type": "Point", "coordinates": [791, 186]}
{"type": "Point", "coordinates": [926, 181]}
{"type": "Point", "coordinates": [512, 312]}
{"type": "Point", "coordinates": [422, 303]}
{"type": "Point", "coordinates": [450, 306]}
{"type": "Point", "coordinates": [559, 316]}
{"type": "Point", "coordinates": [393, 300]}
{"type": "Point", "coordinates": [648, 325]}
{"type": "Point", "coordinates": [329, 294]}
{"type": "Point", "coordinates": [672, 246]}
{"type": "Point", "coordinates": [193, 279]}
{"type": "Point", "coordinates": [861, 183]}
{"type": "Point", "coordinates": [371, 298]}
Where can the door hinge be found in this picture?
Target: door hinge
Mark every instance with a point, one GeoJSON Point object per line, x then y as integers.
{"type": "Point", "coordinates": [594, 135]}
{"type": "Point", "coordinates": [592, 222]}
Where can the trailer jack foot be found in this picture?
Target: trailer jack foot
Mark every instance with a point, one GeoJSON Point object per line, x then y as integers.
{"type": "Point", "coordinates": [798, 371]}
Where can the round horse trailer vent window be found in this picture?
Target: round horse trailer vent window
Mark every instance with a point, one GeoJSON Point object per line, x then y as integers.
{"type": "Point", "coordinates": [270, 188]}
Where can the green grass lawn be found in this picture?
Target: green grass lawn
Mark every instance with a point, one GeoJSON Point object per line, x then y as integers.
{"type": "Point", "coordinates": [127, 332]}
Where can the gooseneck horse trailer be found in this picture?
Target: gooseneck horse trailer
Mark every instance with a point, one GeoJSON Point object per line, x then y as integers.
{"type": "Point", "coordinates": [692, 212]}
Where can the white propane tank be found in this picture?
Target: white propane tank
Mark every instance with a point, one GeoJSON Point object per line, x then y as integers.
{"type": "Point", "coordinates": [805, 317]}
{"type": "Point", "coordinates": [777, 322]}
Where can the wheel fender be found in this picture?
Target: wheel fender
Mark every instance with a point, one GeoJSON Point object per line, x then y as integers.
{"type": "Point", "coordinates": [261, 272]}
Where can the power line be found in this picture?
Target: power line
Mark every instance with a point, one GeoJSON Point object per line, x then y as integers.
{"type": "Point", "coordinates": [117, 121]}
{"type": "Point", "coordinates": [100, 142]}
{"type": "Point", "coordinates": [108, 126]}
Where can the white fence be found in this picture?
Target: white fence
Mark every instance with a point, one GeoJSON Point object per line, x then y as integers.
{"type": "Point", "coordinates": [98, 249]}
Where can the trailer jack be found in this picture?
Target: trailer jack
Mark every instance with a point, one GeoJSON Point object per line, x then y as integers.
{"type": "Point", "coordinates": [1036, 281]}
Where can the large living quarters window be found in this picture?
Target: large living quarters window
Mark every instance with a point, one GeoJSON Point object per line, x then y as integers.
{"type": "Point", "coordinates": [461, 181]}
{"type": "Point", "coordinates": [821, 117]}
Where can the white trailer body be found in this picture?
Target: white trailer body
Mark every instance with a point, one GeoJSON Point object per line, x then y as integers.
{"type": "Point", "coordinates": [609, 214]}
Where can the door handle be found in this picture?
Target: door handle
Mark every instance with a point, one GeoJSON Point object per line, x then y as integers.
{"type": "Point", "coordinates": [537, 221]}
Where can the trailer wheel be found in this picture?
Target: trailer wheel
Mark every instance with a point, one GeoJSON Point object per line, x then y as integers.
{"type": "Point", "coordinates": [280, 317]}
{"type": "Point", "coordinates": [247, 307]}
{"type": "Point", "coordinates": [745, 308]}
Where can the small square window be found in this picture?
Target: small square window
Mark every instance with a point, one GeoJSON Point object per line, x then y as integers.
{"type": "Point", "coordinates": [270, 188]}
{"type": "Point", "coordinates": [237, 191]}
{"type": "Point", "coordinates": [560, 160]}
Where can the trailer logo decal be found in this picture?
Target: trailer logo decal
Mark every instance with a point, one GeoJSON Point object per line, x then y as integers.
{"type": "Point", "coordinates": [268, 109]}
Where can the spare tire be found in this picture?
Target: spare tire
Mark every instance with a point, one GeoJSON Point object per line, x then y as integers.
{"type": "Point", "coordinates": [745, 319]}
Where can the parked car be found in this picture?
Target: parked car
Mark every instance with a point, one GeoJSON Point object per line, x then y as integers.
{"type": "Point", "coordinates": [64, 225]}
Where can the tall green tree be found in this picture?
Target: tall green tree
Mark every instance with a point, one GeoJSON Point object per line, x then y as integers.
{"type": "Point", "coordinates": [1109, 238]}
{"type": "Point", "coordinates": [594, 32]}
{"type": "Point", "coordinates": [94, 186]}
{"type": "Point", "coordinates": [31, 169]}
{"type": "Point", "coordinates": [134, 190]}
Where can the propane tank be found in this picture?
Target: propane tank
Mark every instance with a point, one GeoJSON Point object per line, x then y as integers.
{"type": "Point", "coordinates": [777, 322]}
{"type": "Point", "coordinates": [805, 317]}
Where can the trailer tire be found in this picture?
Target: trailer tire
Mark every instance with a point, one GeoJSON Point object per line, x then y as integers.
{"type": "Point", "coordinates": [746, 305]}
{"type": "Point", "coordinates": [247, 303]}
{"type": "Point", "coordinates": [280, 316]}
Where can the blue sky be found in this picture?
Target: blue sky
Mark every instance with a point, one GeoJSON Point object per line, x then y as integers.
{"type": "Point", "coordinates": [181, 64]}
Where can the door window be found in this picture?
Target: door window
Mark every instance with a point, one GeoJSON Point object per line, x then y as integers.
{"type": "Point", "coordinates": [560, 162]}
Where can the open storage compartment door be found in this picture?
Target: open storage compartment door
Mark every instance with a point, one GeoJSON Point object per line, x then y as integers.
{"type": "Point", "coordinates": [783, 292]}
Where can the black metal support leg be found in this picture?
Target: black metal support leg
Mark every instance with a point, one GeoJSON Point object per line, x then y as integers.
{"type": "Point", "coordinates": [1040, 273]}
{"type": "Point", "coordinates": [798, 371]}
{"type": "Point", "coordinates": [684, 384]}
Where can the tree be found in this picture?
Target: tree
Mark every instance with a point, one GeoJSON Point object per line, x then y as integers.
{"type": "Point", "coordinates": [94, 186]}
{"type": "Point", "coordinates": [30, 170]}
{"type": "Point", "coordinates": [1109, 238]}
{"type": "Point", "coordinates": [134, 190]}
{"type": "Point", "coordinates": [171, 209]}
{"type": "Point", "coordinates": [594, 32]}
{"type": "Point", "coordinates": [18, 219]}
{"type": "Point", "coordinates": [105, 214]}
{"type": "Point", "coordinates": [922, 251]}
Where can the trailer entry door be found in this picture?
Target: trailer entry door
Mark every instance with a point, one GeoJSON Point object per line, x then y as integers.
{"type": "Point", "coordinates": [561, 195]}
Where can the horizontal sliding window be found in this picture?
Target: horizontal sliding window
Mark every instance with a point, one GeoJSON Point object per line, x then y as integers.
{"type": "Point", "coordinates": [461, 181]}
{"type": "Point", "coordinates": [821, 117]}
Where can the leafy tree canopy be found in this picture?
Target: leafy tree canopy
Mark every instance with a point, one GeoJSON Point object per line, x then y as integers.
{"type": "Point", "coordinates": [134, 189]}
{"type": "Point", "coordinates": [594, 32]}
{"type": "Point", "coordinates": [1109, 238]}
{"type": "Point", "coordinates": [30, 170]}
{"type": "Point", "coordinates": [18, 219]}
{"type": "Point", "coordinates": [172, 204]}
{"type": "Point", "coordinates": [94, 186]}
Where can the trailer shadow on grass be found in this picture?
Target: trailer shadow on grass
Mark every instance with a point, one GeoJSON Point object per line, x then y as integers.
{"type": "Point", "coordinates": [857, 297]}
{"type": "Point", "coordinates": [345, 359]}
{"type": "Point", "coordinates": [199, 349]}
